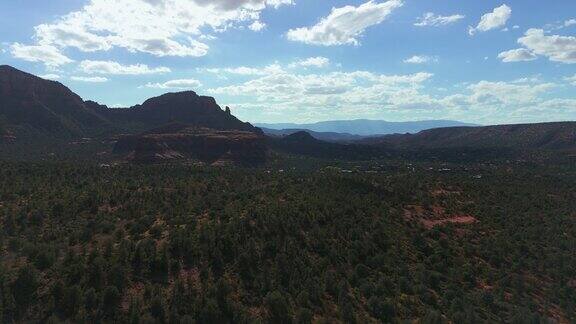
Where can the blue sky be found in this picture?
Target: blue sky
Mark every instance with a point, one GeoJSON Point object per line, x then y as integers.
{"type": "Point", "coordinates": [487, 62]}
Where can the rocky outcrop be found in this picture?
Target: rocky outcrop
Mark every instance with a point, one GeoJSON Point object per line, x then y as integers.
{"type": "Point", "coordinates": [189, 143]}
{"type": "Point", "coordinates": [44, 106]}
{"type": "Point", "coordinates": [49, 109]}
{"type": "Point", "coordinates": [182, 107]}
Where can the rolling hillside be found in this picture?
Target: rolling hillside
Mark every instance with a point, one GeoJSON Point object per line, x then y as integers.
{"type": "Point", "coordinates": [543, 136]}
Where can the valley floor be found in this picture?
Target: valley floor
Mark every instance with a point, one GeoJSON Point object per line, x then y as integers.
{"type": "Point", "coordinates": [323, 242]}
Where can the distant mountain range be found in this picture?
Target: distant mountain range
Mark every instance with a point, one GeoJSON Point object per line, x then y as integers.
{"type": "Point", "coordinates": [185, 126]}
{"type": "Point", "coordinates": [323, 136]}
{"type": "Point", "coordinates": [362, 127]}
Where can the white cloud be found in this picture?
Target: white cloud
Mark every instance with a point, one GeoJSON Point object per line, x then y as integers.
{"type": "Point", "coordinates": [532, 79]}
{"type": "Point", "coordinates": [330, 95]}
{"type": "Point", "coordinates": [558, 25]}
{"type": "Point", "coordinates": [110, 67]}
{"type": "Point", "coordinates": [278, 3]}
{"type": "Point", "coordinates": [176, 84]}
{"type": "Point", "coordinates": [50, 76]}
{"type": "Point", "coordinates": [571, 79]}
{"type": "Point", "coordinates": [507, 93]}
{"type": "Point", "coordinates": [49, 55]}
{"type": "Point", "coordinates": [89, 79]}
{"type": "Point", "coordinates": [229, 5]}
{"type": "Point", "coordinates": [243, 70]}
{"type": "Point", "coordinates": [69, 35]}
{"type": "Point", "coordinates": [555, 47]}
{"type": "Point", "coordinates": [157, 27]}
{"type": "Point", "coordinates": [345, 25]}
{"type": "Point", "coordinates": [318, 62]}
{"type": "Point", "coordinates": [360, 94]}
{"type": "Point", "coordinates": [167, 47]}
{"type": "Point", "coordinates": [431, 19]}
{"type": "Point", "coordinates": [421, 59]}
{"type": "Point", "coordinates": [492, 20]}
{"type": "Point", "coordinates": [257, 26]}
{"type": "Point", "coordinates": [285, 86]}
{"type": "Point", "coordinates": [517, 55]}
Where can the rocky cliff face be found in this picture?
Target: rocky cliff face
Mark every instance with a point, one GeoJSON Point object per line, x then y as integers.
{"type": "Point", "coordinates": [182, 107]}
{"type": "Point", "coordinates": [44, 106]}
{"type": "Point", "coordinates": [182, 143]}
{"type": "Point", "coordinates": [48, 108]}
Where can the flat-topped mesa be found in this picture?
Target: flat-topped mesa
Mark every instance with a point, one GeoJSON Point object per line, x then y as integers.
{"type": "Point", "coordinates": [182, 98]}
{"type": "Point", "coordinates": [187, 108]}
{"type": "Point", "coordinates": [179, 142]}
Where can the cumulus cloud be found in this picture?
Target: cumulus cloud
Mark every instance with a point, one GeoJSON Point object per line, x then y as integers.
{"type": "Point", "coordinates": [329, 95]}
{"type": "Point", "coordinates": [311, 62]}
{"type": "Point", "coordinates": [555, 47]}
{"type": "Point", "coordinates": [49, 55]}
{"type": "Point", "coordinates": [517, 55]}
{"type": "Point", "coordinates": [318, 62]}
{"type": "Point", "coordinates": [257, 26]}
{"type": "Point", "coordinates": [432, 19]}
{"type": "Point", "coordinates": [344, 25]}
{"type": "Point", "coordinates": [50, 76]}
{"type": "Point", "coordinates": [229, 5]}
{"type": "Point", "coordinates": [280, 92]}
{"type": "Point", "coordinates": [421, 59]}
{"type": "Point", "coordinates": [571, 79]}
{"type": "Point", "coordinates": [506, 92]}
{"type": "Point", "coordinates": [89, 79]}
{"type": "Point", "coordinates": [157, 27]}
{"type": "Point", "coordinates": [110, 67]}
{"type": "Point", "coordinates": [287, 86]}
{"type": "Point", "coordinates": [176, 84]}
{"type": "Point", "coordinates": [243, 70]}
{"type": "Point", "coordinates": [492, 20]}
{"type": "Point", "coordinates": [570, 22]}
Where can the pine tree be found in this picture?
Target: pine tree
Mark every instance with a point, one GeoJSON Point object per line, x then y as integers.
{"type": "Point", "coordinates": [25, 286]}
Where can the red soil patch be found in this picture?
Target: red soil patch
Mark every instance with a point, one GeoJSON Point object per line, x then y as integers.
{"type": "Point", "coordinates": [435, 216]}
{"type": "Point", "coordinates": [106, 208]}
{"type": "Point", "coordinates": [444, 192]}
{"type": "Point", "coordinates": [256, 312]}
{"type": "Point", "coordinates": [485, 286]}
{"type": "Point", "coordinates": [413, 211]}
{"type": "Point", "coordinates": [135, 291]}
{"type": "Point", "coordinates": [452, 220]}
{"type": "Point", "coordinates": [191, 277]}
{"type": "Point", "coordinates": [438, 210]}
